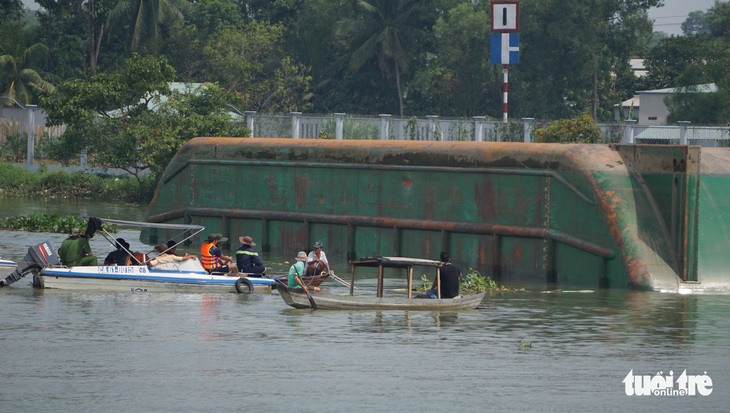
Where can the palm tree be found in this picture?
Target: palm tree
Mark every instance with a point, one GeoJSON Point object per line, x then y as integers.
{"type": "Point", "coordinates": [18, 76]}
{"type": "Point", "coordinates": [384, 33]}
{"type": "Point", "coordinates": [147, 21]}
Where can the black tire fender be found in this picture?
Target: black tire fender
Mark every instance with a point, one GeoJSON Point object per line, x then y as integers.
{"type": "Point", "coordinates": [244, 286]}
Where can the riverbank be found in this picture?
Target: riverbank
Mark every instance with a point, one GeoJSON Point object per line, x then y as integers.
{"type": "Point", "coordinates": [72, 182]}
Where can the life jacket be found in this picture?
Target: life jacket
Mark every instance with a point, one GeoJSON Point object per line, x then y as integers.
{"type": "Point", "coordinates": [141, 258]}
{"type": "Point", "coordinates": [208, 260]}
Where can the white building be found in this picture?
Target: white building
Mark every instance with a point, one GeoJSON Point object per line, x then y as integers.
{"type": "Point", "coordinates": [654, 110]}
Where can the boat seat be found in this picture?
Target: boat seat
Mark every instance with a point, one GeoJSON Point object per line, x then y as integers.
{"type": "Point", "coordinates": [216, 272]}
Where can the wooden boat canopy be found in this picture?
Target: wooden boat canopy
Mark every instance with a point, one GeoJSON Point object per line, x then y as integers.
{"type": "Point", "coordinates": [395, 262]}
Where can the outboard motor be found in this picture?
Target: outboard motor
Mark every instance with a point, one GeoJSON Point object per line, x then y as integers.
{"type": "Point", "coordinates": [38, 256]}
{"type": "Point", "coordinates": [42, 255]}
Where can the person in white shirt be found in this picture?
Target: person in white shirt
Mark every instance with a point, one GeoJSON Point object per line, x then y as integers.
{"type": "Point", "coordinates": [317, 261]}
{"type": "Point", "coordinates": [166, 257]}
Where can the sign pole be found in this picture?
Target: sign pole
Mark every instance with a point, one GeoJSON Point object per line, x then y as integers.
{"type": "Point", "coordinates": [505, 43]}
{"type": "Point", "coordinates": [505, 92]}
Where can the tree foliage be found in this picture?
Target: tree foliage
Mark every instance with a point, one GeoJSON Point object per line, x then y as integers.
{"type": "Point", "coordinates": [131, 120]}
{"type": "Point", "coordinates": [376, 56]}
{"type": "Point", "coordinates": [20, 75]}
{"type": "Point", "coordinates": [10, 10]}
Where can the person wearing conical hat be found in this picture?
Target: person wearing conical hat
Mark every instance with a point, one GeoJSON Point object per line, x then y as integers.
{"type": "Point", "coordinates": [296, 271]}
{"type": "Point", "coordinates": [247, 258]}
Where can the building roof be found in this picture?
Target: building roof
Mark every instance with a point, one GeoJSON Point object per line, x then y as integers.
{"type": "Point", "coordinates": [706, 88]}
{"type": "Point", "coordinates": [633, 102]}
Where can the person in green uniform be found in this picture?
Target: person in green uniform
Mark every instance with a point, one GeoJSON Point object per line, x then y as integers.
{"type": "Point", "coordinates": [75, 250]}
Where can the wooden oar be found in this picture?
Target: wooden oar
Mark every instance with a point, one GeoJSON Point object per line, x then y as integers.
{"type": "Point", "coordinates": [306, 290]}
{"type": "Point", "coordinates": [311, 300]}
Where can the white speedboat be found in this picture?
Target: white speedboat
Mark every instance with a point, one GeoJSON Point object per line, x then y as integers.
{"type": "Point", "coordinates": [7, 267]}
{"type": "Point", "coordinates": [184, 276]}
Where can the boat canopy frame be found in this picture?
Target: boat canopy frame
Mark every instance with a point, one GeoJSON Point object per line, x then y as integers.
{"type": "Point", "coordinates": [395, 262]}
{"type": "Point", "coordinates": [182, 228]}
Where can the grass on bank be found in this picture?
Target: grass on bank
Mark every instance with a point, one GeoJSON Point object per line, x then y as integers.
{"type": "Point", "coordinates": [16, 182]}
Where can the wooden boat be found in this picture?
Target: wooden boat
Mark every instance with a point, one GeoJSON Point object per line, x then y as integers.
{"type": "Point", "coordinates": [183, 276]}
{"type": "Point", "coordinates": [297, 298]}
{"type": "Point", "coordinates": [309, 280]}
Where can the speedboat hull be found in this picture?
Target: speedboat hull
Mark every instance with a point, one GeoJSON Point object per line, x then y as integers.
{"type": "Point", "coordinates": [7, 267]}
{"type": "Point", "coordinates": [142, 279]}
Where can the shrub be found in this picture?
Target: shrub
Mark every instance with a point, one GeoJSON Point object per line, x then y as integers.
{"type": "Point", "coordinates": [582, 129]}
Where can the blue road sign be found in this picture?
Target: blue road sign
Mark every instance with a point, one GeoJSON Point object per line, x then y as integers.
{"type": "Point", "coordinates": [504, 48]}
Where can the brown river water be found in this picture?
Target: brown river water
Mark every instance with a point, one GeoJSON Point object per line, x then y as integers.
{"type": "Point", "coordinates": [521, 351]}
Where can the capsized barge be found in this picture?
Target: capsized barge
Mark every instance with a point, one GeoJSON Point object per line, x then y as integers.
{"type": "Point", "coordinates": [552, 215]}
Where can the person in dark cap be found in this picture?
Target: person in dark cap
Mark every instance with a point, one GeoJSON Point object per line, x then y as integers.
{"type": "Point", "coordinates": [75, 250]}
{"type": "Point", "coordinates": [247, 258]}
{"type": "Point", "coordinates": [120, 256]}
{"type": "Point", "coordinates": [213, 260]}
{"type": "Point", "coordinates": [317, 261]}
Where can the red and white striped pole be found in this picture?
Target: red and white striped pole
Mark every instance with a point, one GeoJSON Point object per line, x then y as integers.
{"type": "Point", "coordinates": [505, 99]}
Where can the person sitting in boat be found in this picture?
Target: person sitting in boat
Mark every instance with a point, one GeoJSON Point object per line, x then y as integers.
{"type": "Point", "coordinates": [317, 261]}
{"type": "Point", "coordinates": [120, 256]}
{"type": "Point", "coordinates": [213, 260]}
{"type": "Point", "coordinates": [165, 256]}
{"type": "Point", "coordinates": [248, 259]}
{"type": "Point", "coordinates": [450, 275]}
{"type": "Point", "coordinates": [75, 250]}
{"type": "Point", "coordinates": [171, 247]}
{"type": "Point", "coordinates": [296, 271]}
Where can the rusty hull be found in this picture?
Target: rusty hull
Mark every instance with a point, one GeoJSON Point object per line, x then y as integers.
{"type": "Point", "coordinates": [565, 215]}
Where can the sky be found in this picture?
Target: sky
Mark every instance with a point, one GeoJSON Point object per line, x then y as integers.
{"type": "Point", "coordinates": [669, 19]}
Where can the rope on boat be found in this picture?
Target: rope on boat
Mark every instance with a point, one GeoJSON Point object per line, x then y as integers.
{"type": "Point", "coordinates": [340, 280]}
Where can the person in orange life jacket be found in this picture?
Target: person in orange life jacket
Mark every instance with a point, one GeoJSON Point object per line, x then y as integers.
{"type": "Point", "coordinates": [120, 256]}
{"type": "Point", "coordinates": [247, 257]}
{"type": "Point", "coordinates": [450, 275]}
{"type": "Point", "coordinates": [212, 258]}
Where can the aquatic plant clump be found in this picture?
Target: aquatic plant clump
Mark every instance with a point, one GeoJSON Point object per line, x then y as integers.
{"type": "Point", "coordinates": [40, 222]}
{"type": "Point", "coordinates": [472, 282]}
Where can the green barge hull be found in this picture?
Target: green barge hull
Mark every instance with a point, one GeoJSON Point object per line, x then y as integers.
{"type": "Point", "coordinates": [548, 215]}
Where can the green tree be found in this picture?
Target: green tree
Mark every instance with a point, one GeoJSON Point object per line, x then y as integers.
{"type": "Point", "coordinates": [384, 33]}
{"type": "Point", "coordinates": [131, 120]}
{"type": "Point", "coordinates": [696, 23]}
{"type": "Point", "coordinates": [680, 61]}
{"type": "Point", "coordinates": [249, 64]}
{"type": "Point", "coordinates": [10, 10]}
{"type": "Point", "coordinates": [571, 50]}
{"type": "Point", "coordinates": [146, 24]}
{"type": "Point", "coordinates": [20, 74]}
{"type": "Point", "coordinates": [457, 80]}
